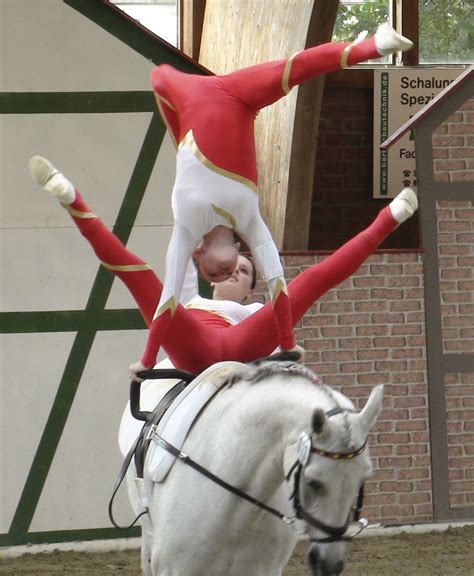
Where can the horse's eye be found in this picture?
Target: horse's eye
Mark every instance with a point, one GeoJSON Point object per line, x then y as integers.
{"type": "Point", "coordinates": [315, 485]}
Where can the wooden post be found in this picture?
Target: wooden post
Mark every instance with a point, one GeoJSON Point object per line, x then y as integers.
{"type": "Point", "coordinates": [191, 21]}
{"type": "Point", "coordinates": [305, 135]}
{"type": "Point", "coordinates": [407, 23]}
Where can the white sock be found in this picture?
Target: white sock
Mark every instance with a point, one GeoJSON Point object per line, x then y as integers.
{"type": "Point", "coordinates": [404, 205]}
{"type": "Point", "coordinates": [388, 41]}
{"type": "Point", "coordinates": [46, 175]}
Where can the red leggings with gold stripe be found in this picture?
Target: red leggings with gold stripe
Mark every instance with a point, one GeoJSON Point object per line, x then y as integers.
{"type": "Point", "coordinates": [194, 341]}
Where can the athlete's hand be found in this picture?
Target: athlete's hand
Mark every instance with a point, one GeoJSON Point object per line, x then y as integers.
{"type": "Point", "coordinates": [133, 370]}
{"type": "Point", "coordinates": [298, 349]}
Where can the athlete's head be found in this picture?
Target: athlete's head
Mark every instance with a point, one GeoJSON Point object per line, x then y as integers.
{"type": "Point", "coordinates": [216, 256]}
{"type": "Point", "coordinates": [216, 263]}
{"type": "Point", "coordinates": [241, 283]}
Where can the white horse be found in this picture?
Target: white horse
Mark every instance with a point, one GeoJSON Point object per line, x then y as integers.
{"type": "Point", "coordinates": [280, 436]}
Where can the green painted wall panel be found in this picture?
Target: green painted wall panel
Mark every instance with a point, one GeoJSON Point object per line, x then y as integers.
{"type": "Point", "coordinates": [86, 323]}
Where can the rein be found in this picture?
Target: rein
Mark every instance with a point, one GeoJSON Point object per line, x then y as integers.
{"type": "Point", "coordinates": [187, 460]}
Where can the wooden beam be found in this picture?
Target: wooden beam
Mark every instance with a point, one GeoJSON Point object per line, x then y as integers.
{"type": "Point", "coordinates": [408, 25]}
{"type": "Point", "coordinates": [305, 135]}
{"type": "Point", "coordinates": [191, 22]}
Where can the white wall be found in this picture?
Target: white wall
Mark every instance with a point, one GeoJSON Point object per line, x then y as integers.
{"type": "Point", "coordinates": [47, 46]}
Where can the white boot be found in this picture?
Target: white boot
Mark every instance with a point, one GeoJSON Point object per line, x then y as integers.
{"type": "Point", "coordinates": [404, 205]}
{"type": "Point", "coordinates": [46, 175]}
{"type": "Point", "coordinates": [387, 41]}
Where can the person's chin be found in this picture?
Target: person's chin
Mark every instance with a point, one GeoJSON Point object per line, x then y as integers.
{"type": "Point", "coordinates": [205, 277]}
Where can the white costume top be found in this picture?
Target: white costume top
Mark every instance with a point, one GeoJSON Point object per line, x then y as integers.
{"type": "Point", "coordinates": [201, 200]}
{"type": "Point", "coordinates": [190, 284]}
{"type": "Point", "coordinates": [231, 311]}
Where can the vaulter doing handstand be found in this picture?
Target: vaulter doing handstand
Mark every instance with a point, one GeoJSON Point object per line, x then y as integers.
{"type": "Point", "coordinates": [211, 120]}
{"type": "Point", "coordinates": [209, 331]}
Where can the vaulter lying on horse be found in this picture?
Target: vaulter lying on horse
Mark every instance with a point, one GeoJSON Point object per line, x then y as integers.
{"type": "Point", "coordinates": [226, 328]}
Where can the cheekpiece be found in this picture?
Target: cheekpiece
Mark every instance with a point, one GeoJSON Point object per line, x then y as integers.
{"type": "Point", "coordinates": [304, 448]}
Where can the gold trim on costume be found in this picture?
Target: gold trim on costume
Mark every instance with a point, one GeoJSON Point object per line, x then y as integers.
{"type": "Point", "coordinates": [127, 267]}
{"type": "Point", "coordinates": [228, 319]}
{"type": "Point", "coordinates": [78, 214]}
{"type": "Point", "coordinates": [286, 74]}
{"type": "Point", "coordinates": [226, 215]}
{"type": "Point", "coordinates": [345, 55]}
{"type": "Point", "coordinates": [165, 101]}
{"type": "Point", "coordinates": [169, 305]}
{"type": "Point", "coordinates": [158, 99]}
{"type": "Point", "coordinates": [191, 142]}
{"type": "Point", "coordinates": [280, 288]}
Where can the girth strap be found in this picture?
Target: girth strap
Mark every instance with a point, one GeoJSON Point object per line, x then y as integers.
{"type": "Point", "coordinates": [140, 447]}
{"type": "Point", "coordinates": [151, 424]}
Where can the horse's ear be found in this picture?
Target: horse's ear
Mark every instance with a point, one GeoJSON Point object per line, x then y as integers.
{"type": "Point", "coordinates": [318, 421]}
{"type": "Point", "coordinates": [372, 409]}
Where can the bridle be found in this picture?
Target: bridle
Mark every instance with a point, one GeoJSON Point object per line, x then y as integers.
{"type": "Point", "coordinates": [305, 449]}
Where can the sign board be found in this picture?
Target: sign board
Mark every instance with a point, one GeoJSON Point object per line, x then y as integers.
{"type": "Point", "coordinates": [398, 94]}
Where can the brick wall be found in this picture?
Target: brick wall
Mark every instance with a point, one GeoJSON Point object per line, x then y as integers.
{"type": "Point", "coordinates": [459, 390]}
{"type": "Point", "coordinates": [455, 221]}
{"type": "Point", "coordinates": [453, 149]}
{"type": "Point", "coordinates": [343, 186]}
{"type": "Point", "coordinates": [367, 331]}
{"type": "Point", "coordinates": [453, 146]}
{"type": "Point", "coordinates": [371, 329]}
{"type": "Point", "coordinates": [456, 270]}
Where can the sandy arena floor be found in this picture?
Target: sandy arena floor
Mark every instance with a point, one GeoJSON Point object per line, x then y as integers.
{"type": "Point", "coordinates": [448, 553]}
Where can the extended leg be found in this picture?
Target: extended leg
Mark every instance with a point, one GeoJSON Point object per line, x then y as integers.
{"type": "Point", "coordinates": [256, 336]}
{"type": "Point", "coordinates": [264, 84]}
{"type": "Point", "coordinates": [311, 284]}
{"type": "Point", "coordinates": [139, 278]}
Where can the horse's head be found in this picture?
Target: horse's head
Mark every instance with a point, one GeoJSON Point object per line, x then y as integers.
{"type": "Point", "coordinates": [333, 466]}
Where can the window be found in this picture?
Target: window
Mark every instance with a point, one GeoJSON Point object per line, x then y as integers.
{"type": "Point", "coordinates": [356, 16]}
{"type": "Point", "coordinates": [159, 16]}
{"type": "Point", "coordinates": [446, 31]}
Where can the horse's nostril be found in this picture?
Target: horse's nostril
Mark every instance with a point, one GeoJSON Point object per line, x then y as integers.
{"type": "Point", "coordinates": [313, 558]}
{"type": "Point", "coordinates": [331, 569]}
{"type": "Point", "coordinates": [323, 567]}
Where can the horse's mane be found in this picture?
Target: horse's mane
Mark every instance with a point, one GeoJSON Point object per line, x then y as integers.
{"type": "Point", "coordinates": [254, 373]}
{"type": "Point", "coordinates": [258, 372]}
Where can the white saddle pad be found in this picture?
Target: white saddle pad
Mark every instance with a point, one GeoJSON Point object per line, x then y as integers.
{"type": "Point", "coordinates": [178, 419]}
